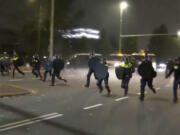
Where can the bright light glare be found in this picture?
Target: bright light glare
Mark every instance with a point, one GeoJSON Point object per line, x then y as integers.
{"type": "Point", "coordinates": [154, 65]}
{"type": "Point", "coordinates": [123, 5]}
{"type": "Point", "coordinates": [92, 31]}
{"type": "Point", "coordinates": [178, 33]}
{"type": "Point", "coordinates": [116, 64]}
{"type": "Point", "coordinates": [81, 33]}
{"type": "Point", "coordinates": [120, 54]}
{"type": "Point", "coordinates": [162, 65]}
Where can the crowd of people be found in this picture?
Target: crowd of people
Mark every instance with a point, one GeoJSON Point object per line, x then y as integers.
{"type": "Point", "coordinates": [97, 66]}
{"type": "Point", "coordinates": [53, 66]}
{"type": "Point", "coordinates": [124, 73]}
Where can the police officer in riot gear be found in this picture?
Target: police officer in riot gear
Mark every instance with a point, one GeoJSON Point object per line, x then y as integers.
{"type": "Point", "coordinates": [5, 63]}
{"type": "Point", "coordinates": [176, 70]}
{"type": "Point", "coordinates": [36, 64]}
{"type": "Point", "coordinates": [105, 79]}
{"type": "Point", "coordinates": [91, 64]}
{"type": "Point", "coordinates": [16, 63]}
{"type": "Point", "coordinates": [57, 66]}
{"type": "Point", "coordinates": [128, 69]}
{"type": "Point", "coordinates": [147, 73]}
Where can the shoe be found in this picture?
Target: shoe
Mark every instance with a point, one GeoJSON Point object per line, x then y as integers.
{"type": "Point", "coordinates": [65, 81]}
{"type": "Point", "coordinates": [86, 86]}
{"type": "Point", "coordinates": [175, 100]}
{"type": "Point", "coordinates": [141, 98]}
{"type": "Point", "coordinates": [101, 90]}
{"type": "Point", "coordinates": [154, 90]}
{"type": "Point", "coordinates": [125, 94]}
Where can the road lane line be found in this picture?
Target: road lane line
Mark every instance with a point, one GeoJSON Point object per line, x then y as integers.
{"type": "Point", "coordinates": [15, 80]}
{"type": "Point", "coordinates": [93, 106]}
{"type": "Point", "coordinates": [119, 99]}
{"type": "Point", "coordinates": [31, 122]}
{"type": "Point", "coordinates": [27, 120]}
{"type": "Point", "coordinates": [158, 88]}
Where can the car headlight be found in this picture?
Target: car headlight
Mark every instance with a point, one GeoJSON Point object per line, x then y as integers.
{"type": "Point", "coordinates": [116, 64]}
{"type": "Point", "coordinates": [162, 65]}
{"type": "Point", "coordinates": [68, 63]}
{"type": "Point", "coordinates": [154, 65]}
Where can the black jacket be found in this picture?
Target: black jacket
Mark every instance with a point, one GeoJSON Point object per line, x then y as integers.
{"type": "Point", "coordinates": [36, 63]}
{"type": "Point", "coordinates": [146, 70]}
{"type": "Point", "coordinates": [128, 70]}
{"type": "Point", "coordinates": [92, 63]}
{"type": "Point", "coordinates": [58, 64]}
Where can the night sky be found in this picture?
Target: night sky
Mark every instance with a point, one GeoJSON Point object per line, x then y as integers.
{"type": "Point", "coordinates": [142, 16]}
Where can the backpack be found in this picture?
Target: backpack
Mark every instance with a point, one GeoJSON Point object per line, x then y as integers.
{"type": "Point", "coordinates": [119, 72]}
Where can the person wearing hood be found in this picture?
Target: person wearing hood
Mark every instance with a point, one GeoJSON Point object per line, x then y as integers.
{"type": "Point", "coordinates": [147, 73]}
{"type": "Point", "coordinates": [102, 67]}
{"type": "Point", "coordinates": [57, 66]}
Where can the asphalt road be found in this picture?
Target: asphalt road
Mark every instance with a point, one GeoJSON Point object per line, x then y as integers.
{"type": "Point", "coordinates": [71, 109]}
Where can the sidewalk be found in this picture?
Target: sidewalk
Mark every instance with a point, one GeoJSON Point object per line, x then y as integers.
{"type": "Point", "coordinates": [10, 90]}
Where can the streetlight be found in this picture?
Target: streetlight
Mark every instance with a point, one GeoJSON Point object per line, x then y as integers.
{"type": "Point", "coordinates": [123, 6]}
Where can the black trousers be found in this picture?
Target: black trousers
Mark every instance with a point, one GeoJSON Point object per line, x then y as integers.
{"type": "Point", "coordinates": [143, 85]}
{"type": "Point", "coordinates": [125, 83]}
{"type": "Point", "coordinates": [17, 68]}
{"type": "Point", "coordinates": [106, 82]}
{"type": "Point", "coordinates": [89, 76]}
{"type": "Point", "coordinates": [56, 73]}
{"type": "Point", "coordinates": [2, 70]}
{"type": "Point", "coordinates": [45, 74]}
{"type": "Point", "coordinates": [175, 88]}
{"type": "Point", "coordinates": [36, 72]}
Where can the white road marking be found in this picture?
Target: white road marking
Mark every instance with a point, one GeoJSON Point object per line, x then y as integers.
{"type": "Point", "coordinates": [29, 121]}
{"type": "Point", "coordinates": [118, 99]}
{"type": "Point", "coordinates": [15, 80]}
{"type": "Point", "coordinates": [158, 88]}
{"type": "Point", "coordinates": [93, 106]}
